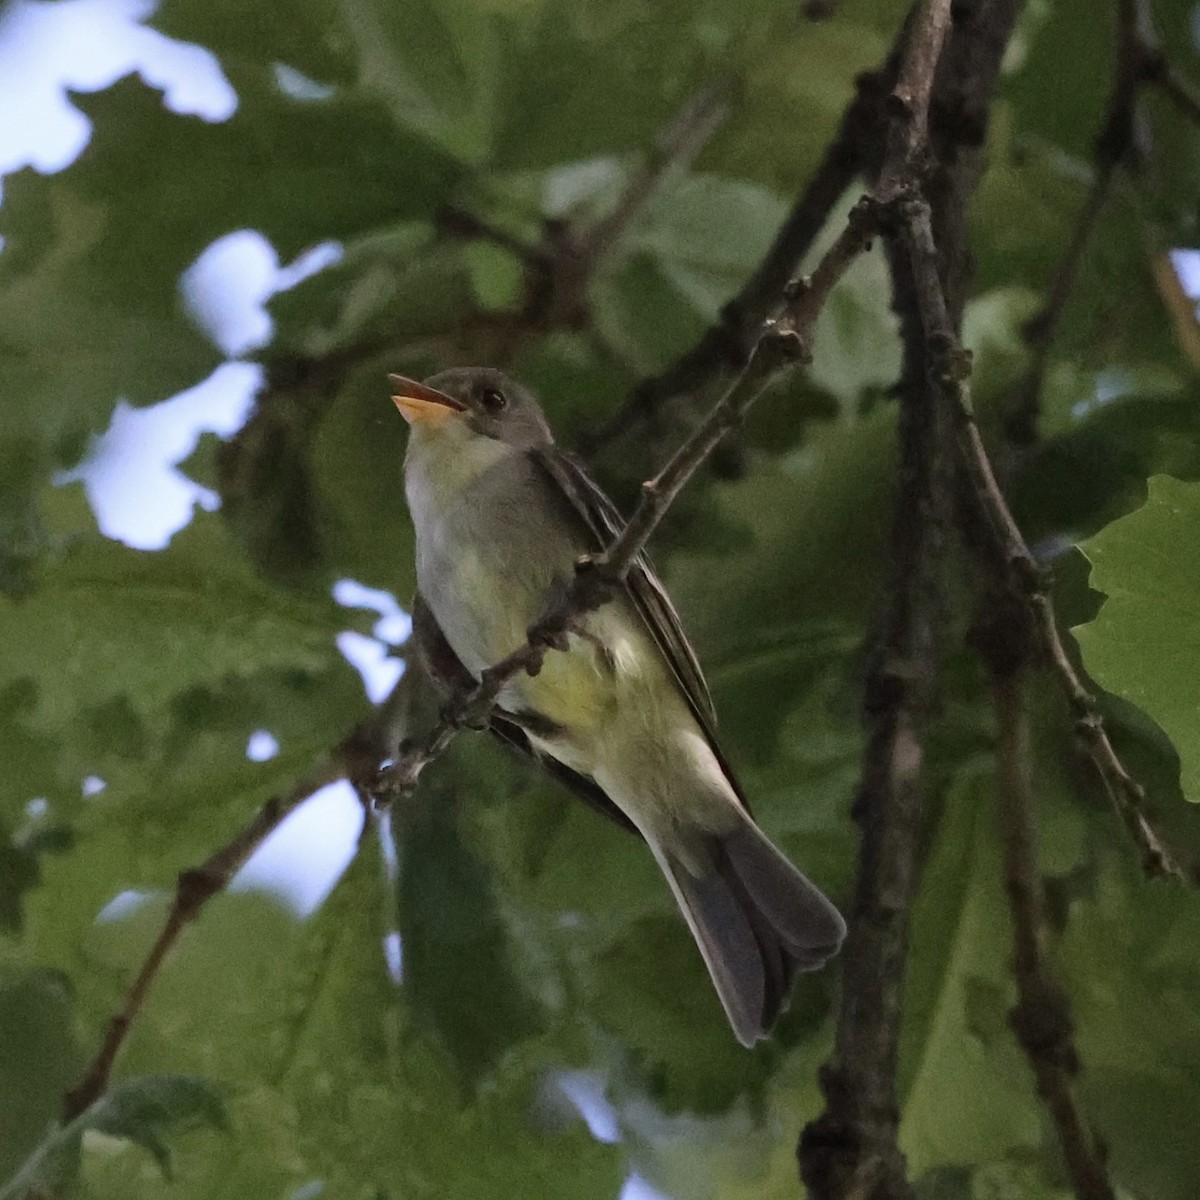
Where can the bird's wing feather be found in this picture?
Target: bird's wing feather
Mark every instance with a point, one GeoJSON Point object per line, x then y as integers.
{"type": "Point", "coordinates": [448, 673]}
{"type": "Point", "coordinates": [644, 588]}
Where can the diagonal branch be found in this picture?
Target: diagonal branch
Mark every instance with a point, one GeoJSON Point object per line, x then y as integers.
{"type": "Point", "coordinates": [726, 346]}
{"type": "Point", "coordinates": [1022, 575]}
{"type": "Point", "coordinates": [560, 266]}
{"type": "Point", "coordinates": [1041, 1018]}
{"type": "Point", "coordinates": [355, 758]}
{"type": "Point", "coordinates": [1139, 62]}
{"type": "Point", "coordinates": [673, 151]}
{"type": "Point", "coordinates": [195, 887]}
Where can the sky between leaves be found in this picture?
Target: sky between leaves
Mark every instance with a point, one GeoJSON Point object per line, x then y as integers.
{"type": "Point", "coordinates": [331, 1077]}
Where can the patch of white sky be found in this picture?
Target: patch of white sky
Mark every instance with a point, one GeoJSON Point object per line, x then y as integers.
{"type": "Point", "coordinates": [130, 474]}
{"type": "Point", "coordinates": [1187, 265]}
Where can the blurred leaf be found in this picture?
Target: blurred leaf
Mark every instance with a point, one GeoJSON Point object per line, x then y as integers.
{"type": "Point", "coordinates": [455, 944]}
{"type": "Point", "coordinates": [1127, 426]}
{"type": "Point", "coordinates": [796, 593]}
{"type": "Point", "coordinates": [496, 275]}
{"type": "Point", "coordinates": [1145, 642]}
{"type": "Point", "coordinates": [39, 1061]}
{"type": "Point", "coordinates": [1130, 948]}
{"type": "Point", "coordinates": [642, 315]}
{"type": "Point", "coordinates": [710, 224]}
{"type": "Point", "coordinates": [304, 34]}
{"type": "Point", "coordinates": [328, 1074]}
{"type": "Point", "coordinates": [144, 1111]}
{"type": "Point", "coordinates": [111, 622]}
{"type": "Point", "coordinates": [967, 1094]}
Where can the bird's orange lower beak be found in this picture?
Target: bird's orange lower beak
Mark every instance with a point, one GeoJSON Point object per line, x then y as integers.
{"type": "Point", "coordinates": [417, 402]}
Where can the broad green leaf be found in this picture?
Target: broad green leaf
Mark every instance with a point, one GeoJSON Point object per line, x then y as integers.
{"type": "Point", "coordinates": [298, 33]}
{"type": "Point", "coordinates": [1130, 961]}
{"type": "Point", "coordinates": [145, 1111]}
{"type": "Point", "coordinates": [168, 808]}
{"type": "Point", "coordinates": [456, 947]}
{"type": "Point", "coordinates": [1127, 426]}
{"type": "Point", "coordinates": [642, 315]}
{"type": "Point", "coordinates": [1144, 644]}
{"type": "Point", "coordinates": [109, 623]}
{"type": "Point", "coordinates": [40, 1058]}
{"type": "Point", "coordinates": [796, 592]}
{"type": "Point", "coordinates": [966, 1093]}
{"type": "Point", "coordinates": [329, 1075]}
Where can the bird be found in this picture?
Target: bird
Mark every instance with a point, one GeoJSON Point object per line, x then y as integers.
{"type": "Point", "coordinates": [623, 715]}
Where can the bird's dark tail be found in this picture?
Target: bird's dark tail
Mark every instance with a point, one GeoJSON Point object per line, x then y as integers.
{"type": "Point", "coordinates": [756, 919]}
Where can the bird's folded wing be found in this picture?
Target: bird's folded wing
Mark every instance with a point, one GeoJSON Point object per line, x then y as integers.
{"type": "Point", "coordinates": [447, 671]}
{"type": "Point", "coordinates": [604, 523]}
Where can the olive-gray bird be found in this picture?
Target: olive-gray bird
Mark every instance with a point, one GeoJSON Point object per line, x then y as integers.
{"type": "Point", "coordinates": [502, 515]}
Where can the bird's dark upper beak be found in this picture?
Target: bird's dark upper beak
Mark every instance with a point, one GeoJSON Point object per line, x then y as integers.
{"type": "Point", "coordinates": [418, 402]}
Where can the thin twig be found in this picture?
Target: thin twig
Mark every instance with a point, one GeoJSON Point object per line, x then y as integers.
{"type": "Point", "coordinates": [726, 346]}
{"type": "Point", "coordinates": [355, 758]}
{"type": "Point", "coordinates": [1139, 61]}
{"type": "Point", "coordinates": [674, 150]}
{"type": "Point", "coordinates": [1024, 577]}
{"type": "Point", "coordinates": [569, 255]}
{"type": "Point", "coordinates": [1041, 329]}
{"type": "Point", "coordinates": [195, 887]}
{"type": "Point", "coordinates": [1041, 1018]}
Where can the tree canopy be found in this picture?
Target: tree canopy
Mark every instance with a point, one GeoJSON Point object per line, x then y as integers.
{"type": "Point", "coordinates": [961, 728]}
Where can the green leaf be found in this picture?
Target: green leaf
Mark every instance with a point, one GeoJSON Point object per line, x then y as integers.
{"type": "Point", "coordinates": [459, 977]}
{"type": "Point", "coordinates": [146, 1111]}
{"type": "Point", "coordinates": [769, 616]}
{"type": "Point", "coordinates": [1130, 961]}
{"type": "Point", "coordinates": [329, 1074]}
{"type": "Point", "coordinates": [110, 623]}
{"type": "Point", "coordinates": [967, 1094]}
{"type": "Point", "coordinates": [1144, 644]}
{"type": "Point", "coordinates": [40, 1060]}
{"type": "Point", "coordinates": [496, 275]}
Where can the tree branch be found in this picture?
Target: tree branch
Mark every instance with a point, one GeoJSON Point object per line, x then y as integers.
{"type": "Point", "coordinates": [1139, 61]}
{"type": "Point", "coordinates": [195, 887]}
{"type": "Point", "coordinates": [355, 758]}
{"type": "Point", "coordinates": [1022, 574]}
{"type": "Point", "coordinates": [851, 1149]}
{"type": "Point", "coordinates": [1041, 1018]}
{"type": "Point", "coordinates": [726, 346]}
{"type": "Point", "coordinates": [560, 267]}
{"type": "Point", "coordinates": [674, 150]}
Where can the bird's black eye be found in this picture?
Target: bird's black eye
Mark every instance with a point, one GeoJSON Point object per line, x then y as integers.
{"type": "Point", "coordinates": [493, 400]}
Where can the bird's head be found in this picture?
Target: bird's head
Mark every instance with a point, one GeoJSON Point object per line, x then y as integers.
{"type": "Point", "coordinates": [471, 400]}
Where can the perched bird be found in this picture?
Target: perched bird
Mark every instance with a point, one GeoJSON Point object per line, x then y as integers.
{"type": "Point", "coordinates": [502, 515]}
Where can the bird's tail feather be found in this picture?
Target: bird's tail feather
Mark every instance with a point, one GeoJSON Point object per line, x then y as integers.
{"type": "Point", "coordinates": [756, 919]}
